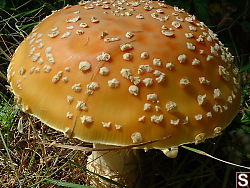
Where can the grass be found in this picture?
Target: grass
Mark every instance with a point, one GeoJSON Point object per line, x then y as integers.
{"type": "Point", "coordinates": [25, 160]}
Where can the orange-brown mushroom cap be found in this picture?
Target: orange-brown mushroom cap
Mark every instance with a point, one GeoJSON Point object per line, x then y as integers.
{"type": "Point", "coordinates": [123, 72]}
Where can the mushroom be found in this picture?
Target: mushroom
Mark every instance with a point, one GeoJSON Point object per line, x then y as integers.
{"type": "Point", "coordinates": [126, 72]}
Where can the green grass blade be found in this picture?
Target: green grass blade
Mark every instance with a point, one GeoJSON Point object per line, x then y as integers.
{"type": "Point", "coordinates": [2, 3]}
{"type": "Point", "coordinates": [206, 154]}
{"type": "Point", "coordinates": [60, 168]}
{"type": "Point", "coordinates": [194, 150]}
{"type": "Point", "coordinates": [246, 128]}
{"type": "Point", "coordinates": [29, 25]}
{"type": "Point", "coordinates": [20, 15]}
{"type": "Point", "coordinates": [66, 184]}
{"type": "Point", "coordinates": [15, 9]}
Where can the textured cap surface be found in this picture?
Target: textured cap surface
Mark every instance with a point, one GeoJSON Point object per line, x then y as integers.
{"type": "Point", "coordinates": [126, 72]}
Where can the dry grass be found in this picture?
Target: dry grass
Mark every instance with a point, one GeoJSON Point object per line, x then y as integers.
{"type": "Point", "coordinates": [29, 160]}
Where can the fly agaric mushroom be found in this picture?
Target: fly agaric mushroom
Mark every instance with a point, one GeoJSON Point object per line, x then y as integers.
{"type": "Point", "coordinates": [125, 72]}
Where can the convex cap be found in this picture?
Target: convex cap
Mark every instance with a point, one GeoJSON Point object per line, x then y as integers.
{"type": "Point", "coordinates": [124, 72]}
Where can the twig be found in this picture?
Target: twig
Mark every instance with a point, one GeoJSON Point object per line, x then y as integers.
{"type": "Point", "coordinates": [80, 148]}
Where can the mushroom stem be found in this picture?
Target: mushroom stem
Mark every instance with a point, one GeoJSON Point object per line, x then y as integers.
{"type": "Point", "coordinates": [119, 166]}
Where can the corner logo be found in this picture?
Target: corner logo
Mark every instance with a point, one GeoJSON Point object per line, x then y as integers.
{"type": "Point", "coordinates": [242, 179]}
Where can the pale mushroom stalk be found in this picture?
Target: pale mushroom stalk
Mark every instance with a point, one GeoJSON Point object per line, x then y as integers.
{"type": "Point", "coordinates": [118, 165]}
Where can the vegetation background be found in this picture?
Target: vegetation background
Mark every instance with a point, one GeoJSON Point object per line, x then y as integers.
{"type": "Point", "coordinates": [25, 159]}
